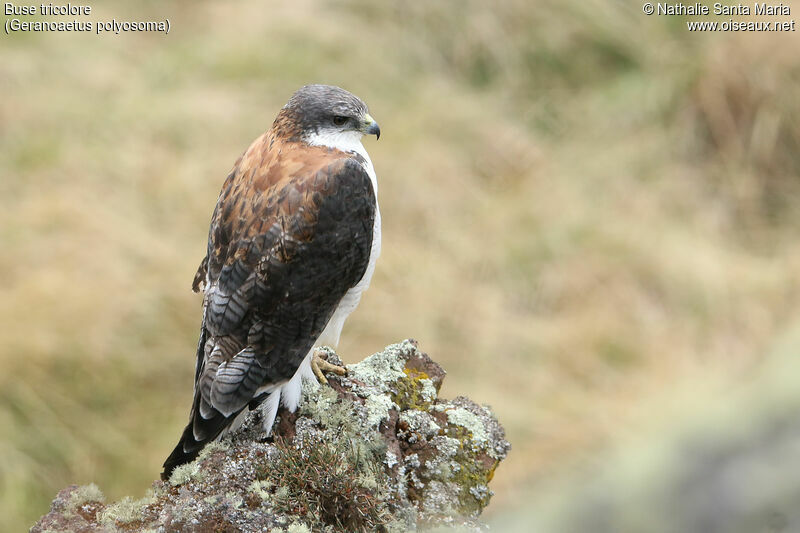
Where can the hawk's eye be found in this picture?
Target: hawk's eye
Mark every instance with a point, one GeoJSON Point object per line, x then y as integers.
{"type": "Point", "coordinates": [339, 120]}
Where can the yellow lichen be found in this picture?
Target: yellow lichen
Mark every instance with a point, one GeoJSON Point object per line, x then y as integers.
{"type": "Point", "coordinates": [414, 390]}
{"type": "Point", "coordinates": [490, 474]}
{"type": "Point", "coordinates": [469, 475]}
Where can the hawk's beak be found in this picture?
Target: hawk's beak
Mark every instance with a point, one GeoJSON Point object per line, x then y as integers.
{"type": "Point", "coordinates": [371, 127]}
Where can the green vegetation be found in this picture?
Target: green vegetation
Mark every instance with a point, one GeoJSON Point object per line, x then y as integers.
{"type": "Point", "coordinates": [583, 209]}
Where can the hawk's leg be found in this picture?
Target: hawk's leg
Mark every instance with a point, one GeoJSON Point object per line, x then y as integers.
{"type": "Point", "coordinates": [319, 364]}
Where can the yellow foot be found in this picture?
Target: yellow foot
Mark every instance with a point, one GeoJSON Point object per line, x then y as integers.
{"type": "Point", "coordinates": [319, 364]}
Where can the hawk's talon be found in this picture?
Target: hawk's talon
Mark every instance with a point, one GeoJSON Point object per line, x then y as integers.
{"type": "Point", "coordinates": [319, 364]}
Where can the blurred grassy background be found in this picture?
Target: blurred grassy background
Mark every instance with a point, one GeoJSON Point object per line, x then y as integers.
{"type": "Point", "coordinates": [584, 210]}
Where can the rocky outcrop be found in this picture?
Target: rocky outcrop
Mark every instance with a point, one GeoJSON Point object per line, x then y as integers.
{"type": "Point", "coordinates": [378, 450]}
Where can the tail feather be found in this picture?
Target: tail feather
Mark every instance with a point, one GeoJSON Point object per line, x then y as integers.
{"type": "Point", "coordinates": [185, 452]}
{"type": "Point", "coordinates": [202, 430]}
{"type": "Point", "coordinates": [189, 446]}
{"type": "Point", "coordinates": [269, 409]}
{"type": "Point", "coordinates": [197, 433]}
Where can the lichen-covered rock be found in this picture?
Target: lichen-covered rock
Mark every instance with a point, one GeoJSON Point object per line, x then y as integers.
{"type": "Point", "coordinates": [378, 450]}
{"type": "Point", "coordinates": [74, 509]}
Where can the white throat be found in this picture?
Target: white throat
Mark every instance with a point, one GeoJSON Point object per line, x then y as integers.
{"type": "Point", "coordinates": [346, 141]}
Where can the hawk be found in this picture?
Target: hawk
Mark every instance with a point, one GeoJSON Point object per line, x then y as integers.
{"type": "Point", "coordinates": [292, 246]}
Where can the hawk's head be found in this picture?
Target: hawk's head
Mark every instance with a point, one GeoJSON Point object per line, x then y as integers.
{"type": "Point", "coordinates": [325, 115]}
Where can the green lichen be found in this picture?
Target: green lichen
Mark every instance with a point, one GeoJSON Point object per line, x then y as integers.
{"type": "Point", "coordinates": [440, 498]}
{"type": "Point", "coordinates": [125, 511]}
{"type": "Point", "coordinates": [297, 527]}
{"type": "Point", "coordinates": [472, 423]}
{"type": "Point", "coordinates": [391, 459]}
{"type": "Point", "coordinates": [234, 498]}
{"type": "Point", "coordinates": [386, 372]}
{"type": "Point", "coordinates": [213, 447]}
{"type": "Point", "coordinates": [185, 473]}
{"type": "Point", "coordinates": [377, 407]}
{"type": "Point", "coordinates": [382, 369]}
{"type": "Point", "coordinates": [325, 406]}
{"type": "Point", "coordinates": [282, 494]}
{"type": "Point", "coordinates": [417, 425]}
{"type": "Point", "coordinates": [84, 494]}
{"type": "Point", "coordinates": [350, 421]}
{"type": "Point", "coordinates": [454, 479]}
{"type": "Point", "coordinates": [469, 475]}
{"type": "Point", "coordinates": [456, 476]}
{"type": "Point", "coordinates": [261, 488]}
{"type": "Point", "coordinates": [399, 525]}
{"type": "Point", "coordinates": [368, 481]}
{"type": "Point", "coordinates": [192, 471]}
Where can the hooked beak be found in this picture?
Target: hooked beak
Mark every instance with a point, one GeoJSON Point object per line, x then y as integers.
{"type": "Point", "coordinates": [371, 127]}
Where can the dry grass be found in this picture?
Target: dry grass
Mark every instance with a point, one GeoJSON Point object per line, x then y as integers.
{"type": "Point", "coordinates": [582, 208]}
{"type": "Point", "coordinates": [329, 483]}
